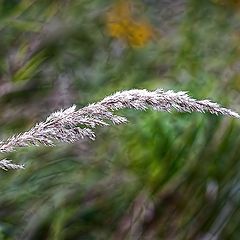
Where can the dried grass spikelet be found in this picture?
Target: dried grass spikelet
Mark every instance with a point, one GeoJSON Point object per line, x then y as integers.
{"type": "Point", "coordinates": [122, 24]}
{"type": "Point", "coordinates": [64, 125]}
{"type": "Point", "coordinates": [7, 164]}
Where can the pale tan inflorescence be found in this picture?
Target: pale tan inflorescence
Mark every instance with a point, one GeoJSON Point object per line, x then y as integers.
{"type": "Point", "coordinates": [71, 125]}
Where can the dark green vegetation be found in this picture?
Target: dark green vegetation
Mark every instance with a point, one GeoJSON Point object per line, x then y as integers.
{"type": "Point", "coordinates": [162, 176]}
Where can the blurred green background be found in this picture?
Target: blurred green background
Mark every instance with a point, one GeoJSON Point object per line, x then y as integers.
{"type": "Point", "coordinates": [162, 176]}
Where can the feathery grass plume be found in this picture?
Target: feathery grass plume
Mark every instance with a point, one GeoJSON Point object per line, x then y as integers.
{"type": "Point", "coordinates": [71, 125]}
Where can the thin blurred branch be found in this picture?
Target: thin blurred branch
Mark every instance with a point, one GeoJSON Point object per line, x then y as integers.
{"type": "Point", "coordinates": [6, 88]}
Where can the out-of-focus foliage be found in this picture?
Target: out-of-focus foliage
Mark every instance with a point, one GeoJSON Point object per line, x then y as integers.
{"type": "Point", "coordinates": [228, 3]}
{"type": "Point", "coordinates": [121, 25]}
{"type": "Point", "coordinates": [163, 176]}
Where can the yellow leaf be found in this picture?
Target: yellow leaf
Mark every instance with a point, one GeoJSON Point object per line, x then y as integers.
{"type": "Point", "coordinates": [121, 24]}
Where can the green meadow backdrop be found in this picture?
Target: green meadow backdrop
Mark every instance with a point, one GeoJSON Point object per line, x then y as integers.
{"type": "Point", "coordinates": [163, 175]}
